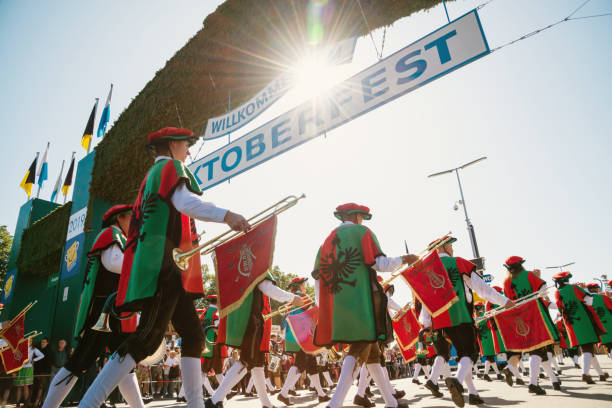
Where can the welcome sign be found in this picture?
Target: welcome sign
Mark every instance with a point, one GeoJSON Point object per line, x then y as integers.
{"type": "Point", "coordinates": [438, 53]}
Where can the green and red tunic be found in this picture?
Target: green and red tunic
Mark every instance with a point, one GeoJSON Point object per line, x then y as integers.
{"type": "Point", "coordinates": [581, 322]}
{"type": "Point", "coordinates": [603, 307]}
{"type": "Point", "coordinates": [523, 284]}
{"type": "Point", "coordinates": [247, 322]}
{"type": "Point", "coordinates": [498, 342]}
{"type": "Point", "coordinates": [209, 317]}
{"type": "Point", "coordinates": [461, 311]}
{"type": "Point", "coordinates": [485, 338]}
{"type": "Point", "coordinates": [352, 304]}
{"type": "Point", "coordinates": [156, 229]}
{"type": "Point", "coordinates": [99, 283]}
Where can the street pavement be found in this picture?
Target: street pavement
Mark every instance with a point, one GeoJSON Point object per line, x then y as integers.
{"type": "Point", "coordinates": [574, 393]}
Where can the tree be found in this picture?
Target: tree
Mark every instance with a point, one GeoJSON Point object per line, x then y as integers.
{"type": "Point", "coordinates": [6, 240]}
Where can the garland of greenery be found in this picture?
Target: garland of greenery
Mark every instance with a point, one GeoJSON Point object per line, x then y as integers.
{"type": "Point", "coordinates": [43, 242]}
{"type": "Point", "coordinates": [233, 51]}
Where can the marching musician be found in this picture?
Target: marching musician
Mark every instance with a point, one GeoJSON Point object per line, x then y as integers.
{"type": "Point", "coordinates": [457, 323]}
{"type": "Point", "coordinates": [498, 343]}
{"type": "Point", "coordinates": [581, 322]}
{"type": "Point", "coordinates": [352, 304]}
{"type": "Point", "coordinates": [303, 362]}
{"type": "Point", "coordinates": [519, 283]}
{"type": "Point", "coordinates": [245, 329]}
{"type": "Point", "coordinates": [603, 307]}
{"type": "Point", "coordinates": [163, 219]}
{"type": "Point", "coordinates": [213, 355]}
{"type": "Point", "coordinates": [102, 279]}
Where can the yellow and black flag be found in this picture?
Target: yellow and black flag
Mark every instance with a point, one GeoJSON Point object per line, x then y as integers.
{"type": "Point", "coordinates": [68, 179]}
{"type": "Point", "coordinates": [86, 139]}
{"type": "Point", "coordinates": [30, 177]}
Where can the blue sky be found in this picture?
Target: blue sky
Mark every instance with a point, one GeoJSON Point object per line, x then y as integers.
{"type": "Point", "coordinates": [539, 109]}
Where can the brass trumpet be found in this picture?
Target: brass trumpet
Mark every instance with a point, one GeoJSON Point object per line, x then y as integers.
{"type": "Point", "coordinates": [288, 308]}
{"type": "Point", "coordinates": [401, 312]}
{"type": "Point", "coordinates": [182, 258]}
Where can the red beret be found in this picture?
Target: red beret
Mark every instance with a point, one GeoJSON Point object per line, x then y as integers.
{"type": "Point", "coordinates": [513, 260]}
{"type": "Point", "coordinates": [351, 208]}
{"type": "Point", "coordinates": [498, 288]}
{"type": "Point", "coordinates": [171, 133]}
{"type": "Point", "coordinates": [478, 304]}
{"type": "Point", "coordinates": [296, 281]}
{"type": "Point", "coordinates": [211, 297]}
{"type": "Point", "coordinates": [610, 283]}
{"type": "Point", "coordinates": [562, 275]}
{"type": "Point", "coordinates": [592, 285]}
{"type": "Point", "coordinates": [108, 217]}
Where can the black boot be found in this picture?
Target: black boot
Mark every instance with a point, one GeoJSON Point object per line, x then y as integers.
{"type": "Point", "coordinates": [536, 389]}
{"type": "Point", "coordinates": [284, 400]}
{"type": "Point", "coordinates": [508, 375]}
{"type": "Point", "coordinates": [587, 379]}
{"type": "Point", "coordinates": [474, 399]}
{"type": "Point", "coordinates": [557, 385]}
{"type": "Point", "coordinates": [434, 388]}
{"type": "Point", "coordinates": [487, 378]}
{"type": "Point", "coordinates": [363, 401]}
{"type": "Point", "coordinates": [456, 391]}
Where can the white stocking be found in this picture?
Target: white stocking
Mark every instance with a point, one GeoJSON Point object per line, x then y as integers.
{"type": "Point", "coordinates": [552, 360]}
{"type": "Point", "coordinates": [316, 383]}
{"type": "Point", "coordinates": [233, 375]}
{"type": "Point", "coordinates": [417, 370]}
{"type": "Point", "coordinates": [292, 376]}
{"type": "Point", "coordinates": [469, 381]}
{"type": "Point", "coordinates": [586, 363]}
{"type": "Point", "coordinates": [191, 370]}
{"type": "Point", "coordinates": [328, 378]}
{"type": "Point", "coordinates": [596, 366]}
{"type": "Point", "coordinates": [465, 367]}
{"type": "Point", "coordinates": [575, 358]}
{"type": "Point", "coordinates": [386, 373]}
{"type": "Point", "coordinates": [206, 383]}
{"type": "Point", "coordinates": [521, 366]}
{"type": "Point", "coordinates": [446, 372]}
{"type": "Point", "coordinates": [376, 371]}
{"type": "Point", "coordinates": [114, 370]}
{"type": "Point", "coordinates": [495, 369]}
{"type": "Point", "coordinates": [363, 380]}
{"type": "Point", "coordinates": [436, 369]}
{"type": "Point", "coordinates": [269, 384]}
{"type": "Point", "coordinates": [259, 379]}
{"type": "Point", "coordinates": [344, 382]}
{"type": "Point", "coordinates": [220, 378]}
{"type": "Point", "coordinates": [560, 358]}
{"type": "Point", "coordinates": [549, 372]}
{"type": "Point", "coordinates": [60, 388]}
{"type": "Point", "coordinates": [128, 386]}
{"type": "Point", "coordinates": [534, 369]}
{"type": "Point", "coordinates": [427, 370]}
{"type": "Point", "coordinates": [514, 370]}
{"type": "Point", "coordinates": [487, 367]}
{"type": "Point", "coordinates": [249, 387]}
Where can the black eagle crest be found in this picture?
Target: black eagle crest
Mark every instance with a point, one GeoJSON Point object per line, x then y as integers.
{"type": "Point", "coordinates": [334, 271]}
{"type": "Point", "coordinates": [141, 213]}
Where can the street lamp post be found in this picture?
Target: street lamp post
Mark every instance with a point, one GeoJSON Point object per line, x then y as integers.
{"type": "Point", "coordinates": [470, 226]}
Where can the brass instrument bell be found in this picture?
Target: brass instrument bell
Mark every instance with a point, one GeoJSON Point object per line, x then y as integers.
{"type": "Point", "coordinates": [102, 323]}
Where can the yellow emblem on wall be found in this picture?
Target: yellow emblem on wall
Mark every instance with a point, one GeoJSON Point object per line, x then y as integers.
{"type": "Point", "coordinates": [71, 255]}
{"type": "Point", "coordinates": [8, 285]}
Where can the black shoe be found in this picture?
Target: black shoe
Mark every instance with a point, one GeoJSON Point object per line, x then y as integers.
{"type": "Point", "coordinates": [415, 381]}
{"type": "Point", "coordinates": [231, 395]}
{"type": "Point", "coordinates": [434, 388]}
{"type": "Point", "coordinates": [324, 398]}
{"type": "Point", "coordinates": [474, 399]}
{"type": "Point", "coordinates": [479, 375]}
{"type": "Point", "coordinates": [399, 394]}
{"type": "Point", "coordinates": [487, 378]}
{"type": "Point", "coordinates": [368, 393]}
{"type": "Point", "coordinates": [500, 377]}
{"type": "Point", "coordinates": [456, 390]}
{"type": "Point", "coordinates": [519, 381]}
{"type": "Point", "coordinates": [181, 399]}
{"type": "Point", "coordinates": [291, 392]}
{"type": "Point", "coordinates": [209, 404]}
{"type": "Point", "coordinates": [557, 385]}
{"type": "Point", "coordinates": [248, 394]}
{"type": "Point", "coordinates": [577, 366]}
{"type": "Point", "coordinates": [331, 387]}
{"type": "Point", "coordinates": [363, 401]}
{"type": "Point", "coordinates": [604, 377]}
{"type": "Point", "coordinates": [401, 404]}
{"type": "Point", "coordinates": [587, 379]}
{"type": "Point", "coordinates": [146, 400]}
{"type": "Point", "coordinates": [508, 375]}
{"type": "Point", "coordinates": [536, 389]}
{"type": "Point", "coordinates": [542, 375]}
{"type": "Point", "coordinates": [273, 392]}
{"type": "Point", "coordinates": [284, 400]}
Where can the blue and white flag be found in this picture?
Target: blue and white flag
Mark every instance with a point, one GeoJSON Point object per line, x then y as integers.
{"type": "Point", "coordinates": [105, 114]}
{"type": "Point", "coordinates": [58, 184]}
{"type": "Point", "coordinates": [42, 171]}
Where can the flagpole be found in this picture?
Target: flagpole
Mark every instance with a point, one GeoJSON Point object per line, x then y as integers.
{"type": "Point", "coordinates": [41, 166]}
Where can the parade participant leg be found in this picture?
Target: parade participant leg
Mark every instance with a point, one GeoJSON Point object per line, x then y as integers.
{"type": "Point", "coordinates": [534, 373]}
{"type": "Point", "coordinates": [364, 380]}
{"type": "Point", "coordinates": [550, 373]}
{"type": "Point", "coordinates": [417, 370]}
{"type": "Point", "coordinates": [128, 386]}
{"type": "Point", "coordinates": [192, 380]}
{"type": "Point", "coordinates": [602, 375]}
{"type": "Point", "coordinates": [292, 376]}
{"type": "Point", "coordinates": [60, 387]}
{"type": "Point", "coordinates": [206, 384]}
{"type": "Point", "coordinates": [427, 370]}
{"type": "Point", "coordinates": [376, 371]}
{"type": "Point", "coordinates": [344, 382]}
{"type": "Point", "coordinates": [328, 379]}
{"type": "Point", "coordinates": [232, 377]}
{"type": "Point", "coordinates": [473, 397]}
{"type": "Point", "coordinates": [446, 371]}
{"type": "Point", "coordinates": [114, 370]}
{"type": "Point", "coordinates": [259, 380]}
{"type": "Point", "coordinates": [432, 382]}
{"type": "Point", "coordinates": [249, 387]}
{"type": "Point", "coordinates": [316, 383]}
{"type": "Point", "coordinates": [269, 385]}
{"type": "Point", "coordinates": [552, 360]}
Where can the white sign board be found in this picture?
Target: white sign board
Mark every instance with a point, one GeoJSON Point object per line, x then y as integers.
{"type": "Point", "coordinates": [76, 224]}
{"type": "Point", "coordinates": [444, 50]}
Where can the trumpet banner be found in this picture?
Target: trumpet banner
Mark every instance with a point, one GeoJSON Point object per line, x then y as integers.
{"type": "Point", "coordinates": [303, 326]}
{"type": "Point", "coordinates": [242, 263]}
{"type": "Point", "coordinates": [14, 359]}
{"type": "Point", "coordinates": [406, 329]}
{"type": "Point", "coordinates": [524, 328]}
{"type": "Point", "coordinates": [409, 354]}
{"type": "Point", "coordinates": [431, 285]}
{"type": "Point", "coordinates": [13, 333]}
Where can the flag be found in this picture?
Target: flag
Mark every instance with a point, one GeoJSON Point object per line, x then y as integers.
{"type": "Point", "coordinates": [302, 326]}
{"type": "Point", "coordinates": [42, 171]}
{"type": "Point", "coordinates": [13, 360]}
{"type": "Point", "coordinates": [431, 285]}
{"type": "Point", "coordinates": [68, 180]}
{"type": "Point", "coordinates": [58, 184]}
{"type": "Point", "coordinates": [104, 118]}
{"type": "Point", "coordinates": [242, 263]}
{"type": "Point", "coordinates": [409, 354]}
{"type": "Point", "coordinates": [13, 332]}
{"type": "Point", "coordinates": [406, 328]}
{"type": "Point", "coordinates": [523, 328]}
{"type": "Point", "coordinates": [29, 178]}
{"type": "Point", "coordinates": [86, 138]}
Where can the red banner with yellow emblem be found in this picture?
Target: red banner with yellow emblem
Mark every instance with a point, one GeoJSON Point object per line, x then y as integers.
{"type": "Point", "coordinates": [242, 263]}
{"type": "Point", "coordinates": [431, 285]}
{"type": "Point", "coordinates": [523, 328]}
{"type": "Point", "coordinates": [406, 328]}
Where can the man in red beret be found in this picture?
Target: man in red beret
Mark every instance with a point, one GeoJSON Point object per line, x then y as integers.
{"type": "Point", "coordinates": [457, 324]}
{"type": "Point", "coordinates": [518, 283]}
{"type": "Point", "coordinates": [603, 307]}
{"type": "Point", "coordinates": [352, 304]}
{"type": "Point", "coordinates": [168, 202]}
{"type": "Point", "coordinates": [102, 279]}
{"type": "Point", "coordinates": [581, 322]}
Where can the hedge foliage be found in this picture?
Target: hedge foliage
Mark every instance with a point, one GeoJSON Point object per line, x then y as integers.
{"type": "Point", "coordinates": [242, 46]}
{"type": "Point", "coordinates": [43, 242]}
